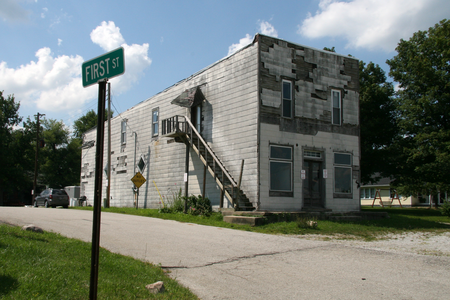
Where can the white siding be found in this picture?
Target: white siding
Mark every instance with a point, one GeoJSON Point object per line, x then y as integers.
{"type": "Point", "coordinates": [229, 126]}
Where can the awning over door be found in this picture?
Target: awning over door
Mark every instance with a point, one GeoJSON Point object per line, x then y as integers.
{"type": "Point", "coordinates": [189, 98]}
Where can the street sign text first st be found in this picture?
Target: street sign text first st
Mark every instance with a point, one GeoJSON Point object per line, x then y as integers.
{"type": "Point", "coordinates": [106, 66]}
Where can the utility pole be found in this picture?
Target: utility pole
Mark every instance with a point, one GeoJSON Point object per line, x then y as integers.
{"type": "Point", "coordinates": [37, 155]}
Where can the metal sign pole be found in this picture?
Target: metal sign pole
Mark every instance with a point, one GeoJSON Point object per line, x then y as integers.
{"type": "Point", "coordinates": [98, 189]}
{"type": "Point", "coordinates": [99, 70]}
{"type": "Point", "coordinates": [108, 191]}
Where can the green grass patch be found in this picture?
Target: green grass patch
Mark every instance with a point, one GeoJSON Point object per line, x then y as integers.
{"type": "Point", "coordinates": [49, 266]}
{"type": "Point", "coordinates": [215, 219]}
{"type": "Point", "coordinates": [400, 220]}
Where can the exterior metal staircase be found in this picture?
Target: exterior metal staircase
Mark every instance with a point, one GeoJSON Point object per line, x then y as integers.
{"type": "Point", "coordinates": [181, 128]}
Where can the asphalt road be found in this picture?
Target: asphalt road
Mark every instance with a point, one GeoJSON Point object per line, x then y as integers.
{"type": "Point", "coordinates": [218, 263]}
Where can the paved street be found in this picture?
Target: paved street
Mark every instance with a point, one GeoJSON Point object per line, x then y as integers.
{"type": "Point", "coordinates": [218, 263]}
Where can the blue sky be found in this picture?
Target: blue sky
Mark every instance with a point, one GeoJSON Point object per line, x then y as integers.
{"type": "Point", "coordinates": [44, 42]}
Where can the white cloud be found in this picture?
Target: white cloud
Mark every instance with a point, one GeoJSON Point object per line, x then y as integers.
{"type": "Point", "coordinates": [54, 83]}
{"type": "Point", "coordinates": [242, 43]}
{"type": "Point", "coordinates": [268, 29]}
{"type": "Point", "coordinates": [37, 81]}
{"type": "Point", "coordinates": [136, 61]}
{"type": "Point", "coordinates": [107, 36]}
{"type": "Point", "coordinates": [45, 9]}
{"type": "Point", "coordinates": [373, 24]}
{"type": "Point", "coordinates": [264, 28]}
{"type": "Point", "coordinates": [60, 42]}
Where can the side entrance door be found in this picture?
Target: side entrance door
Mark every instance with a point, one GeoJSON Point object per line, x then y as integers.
{"type": "Point", "coordinates": [312, 184]}
{"type": "Point", "coordinates": [196, 117]}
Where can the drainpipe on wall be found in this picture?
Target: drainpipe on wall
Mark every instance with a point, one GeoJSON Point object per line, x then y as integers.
{"type": "Point", "coordinates": [186, 177]}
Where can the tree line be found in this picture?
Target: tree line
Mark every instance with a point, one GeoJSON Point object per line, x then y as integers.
{"type": "Point", "coordinates": [405, 131]}
{"type": "Point", "coordinates": [59, 152]}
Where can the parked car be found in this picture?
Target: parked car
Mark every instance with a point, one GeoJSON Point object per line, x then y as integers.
{"type": "Point", "coordinates": [52, 198]}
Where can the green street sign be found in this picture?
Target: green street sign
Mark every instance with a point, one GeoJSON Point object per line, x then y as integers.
{"type": "Point", "coordinates": [106, 66]}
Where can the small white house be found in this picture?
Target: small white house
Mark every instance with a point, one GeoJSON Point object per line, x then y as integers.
{"type": "Point", "coordinates": [382, 190]}
{"type": "Point", "coordinates": [273, 127]}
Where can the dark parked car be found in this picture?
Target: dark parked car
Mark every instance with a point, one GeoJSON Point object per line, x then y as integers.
{"type": "Point", "coordinates": [52, 198]}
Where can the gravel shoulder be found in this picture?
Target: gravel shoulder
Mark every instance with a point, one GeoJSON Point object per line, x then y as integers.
{"type": "Point", "coordinates": [422, 243]}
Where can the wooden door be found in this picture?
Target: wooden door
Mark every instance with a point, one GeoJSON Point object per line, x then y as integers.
{"type": "Point", "coordinates": [312, 184]}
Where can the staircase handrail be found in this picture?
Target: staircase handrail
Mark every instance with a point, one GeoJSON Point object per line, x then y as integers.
{"type": "Point", "coordinates": [207, 147]}
{"type": "Point", "coordinates": [174, 125]}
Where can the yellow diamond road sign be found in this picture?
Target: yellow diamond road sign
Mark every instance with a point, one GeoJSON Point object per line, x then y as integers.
{"type": "Point", "coordinates": [138, 179]}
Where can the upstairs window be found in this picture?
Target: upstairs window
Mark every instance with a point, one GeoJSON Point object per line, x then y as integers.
{"type": "Point", "coordinates": [123, 132]}
{"type": "Point", "coordinates": [287, 99]}
{"type": "Point", "coordinates": [155, 122]}
{"type": "Point", "coordinates": [337, 111]}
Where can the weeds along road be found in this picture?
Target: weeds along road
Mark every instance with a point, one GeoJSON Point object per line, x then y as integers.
{"type": "Point", "coordinates": [219, 263]}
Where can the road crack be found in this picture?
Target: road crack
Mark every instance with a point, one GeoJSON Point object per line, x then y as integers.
{"type": "Point", "coordinates": [239, 258]}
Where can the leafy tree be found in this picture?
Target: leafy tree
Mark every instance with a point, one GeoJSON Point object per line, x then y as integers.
{"type": "Point", "coordinates": [8, 119]}
{"type": "Point", "coordinates": [61, 156]}
{"type": "Point", "coordinates": [23, 147]}
{"type": "Point", "coordinates": [378, 122]}
{"type": "Point", "coordinates": [422, 70]}
{"type": "Point", "coordinates": [86, 122]}
{"type": "Point", "coordinates": [332, 49]}
{"type": "Point", "coordinates": [55, 133]}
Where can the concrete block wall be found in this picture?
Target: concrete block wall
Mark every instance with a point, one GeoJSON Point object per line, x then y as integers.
{"type": "Point", "coordinates": [314, 74]}
{"type": "Point", "coordinates": [324, 142]}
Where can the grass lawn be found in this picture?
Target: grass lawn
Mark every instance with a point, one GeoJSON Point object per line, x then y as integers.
{"type": "Point", "coordinates": [49, 266]}
{"type": "Point", "coordinates": [400, 220]}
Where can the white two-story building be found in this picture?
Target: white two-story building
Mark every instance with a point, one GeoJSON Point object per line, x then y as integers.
{"type": "Point", "coordinates": [273, 127]}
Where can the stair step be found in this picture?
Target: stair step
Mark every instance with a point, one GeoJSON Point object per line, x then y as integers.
{"type": "Point", "coordinates": [244, 220]}
{"type": "Point", "coordinates": [215, 167]}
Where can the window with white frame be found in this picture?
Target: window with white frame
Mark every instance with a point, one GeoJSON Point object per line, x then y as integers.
{"type": "Point", "coordinates": [287, 99]}
{"type": "Point", "coordinates": [280, 168]}
{"type": "Point", "coordinates": [123, 132]}
{"type": "Point", "coordinates": [367, 193]}
{"type": "Point", "coordinates": [337, 111]}
{"type": "Point", "coordinates": [342, 173]}
{"type": "Point", "coordinates": [155, 122]}
{"type": "Point", "coordinates": [312, 154]}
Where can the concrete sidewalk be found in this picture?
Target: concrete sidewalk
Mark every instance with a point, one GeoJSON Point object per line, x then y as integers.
{"type": "Point", "coordinates": [218, 263]}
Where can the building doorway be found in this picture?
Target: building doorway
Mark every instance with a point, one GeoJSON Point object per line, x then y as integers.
{"type": "Point", "coordinates": [196, 117]}
{"type": "Point", "coordinates": [312, 184]}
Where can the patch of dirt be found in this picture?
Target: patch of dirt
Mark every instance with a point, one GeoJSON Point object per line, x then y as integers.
{"type": "Point", "coordinates": [423, 243]}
